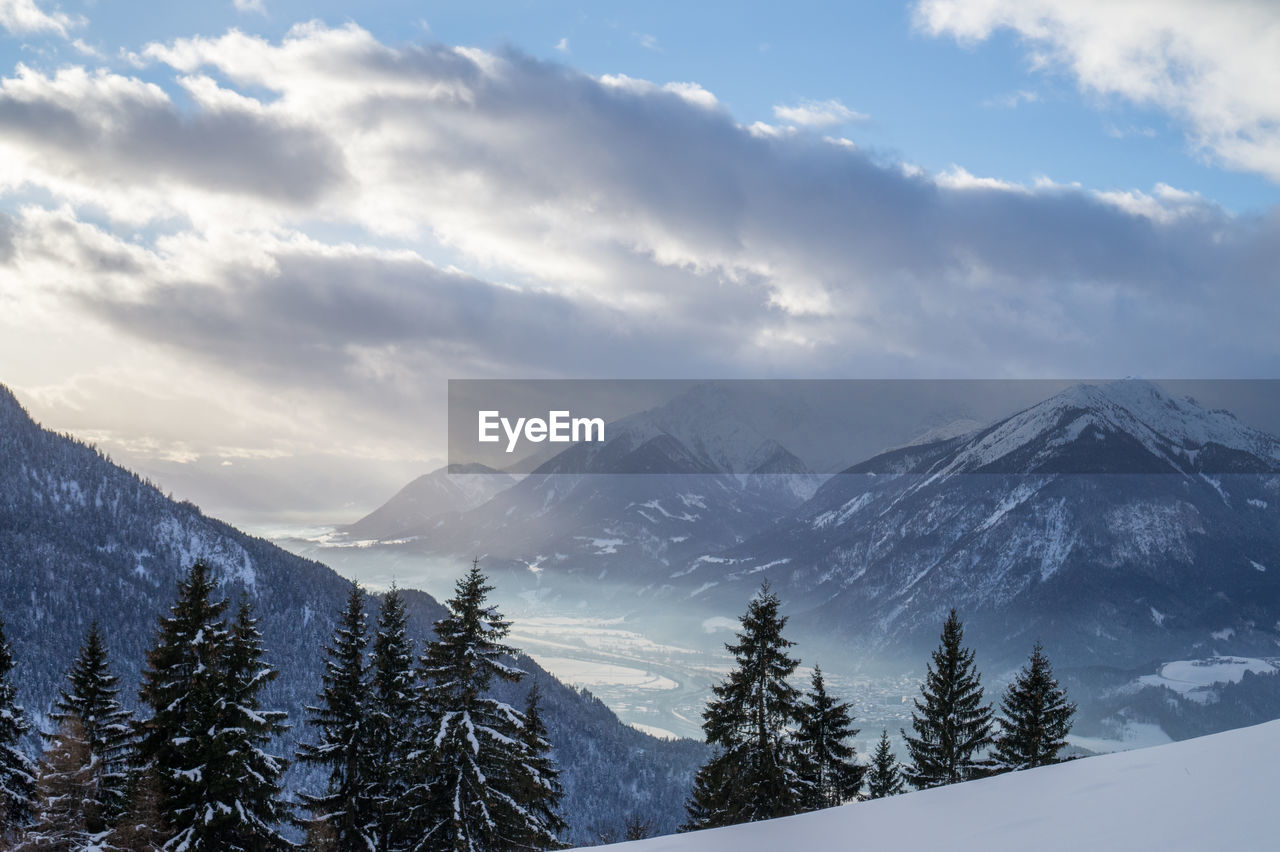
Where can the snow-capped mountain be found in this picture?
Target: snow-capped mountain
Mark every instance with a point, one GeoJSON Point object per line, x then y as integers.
{"type": "Point", "coordinates": [83, 540]}
{"type": "Point", "coordinates": [1115, 522]}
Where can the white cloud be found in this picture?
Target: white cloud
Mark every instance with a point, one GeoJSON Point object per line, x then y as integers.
{"type": "Point", "coordinates": [85, 49]}
{"type": "Point", "coordinates": [25, 17]}
{"type": "Point", "coordinates": [648, 42]}
{"type": "Point", "coordinates": [1212, 65]}
{"type": "Point", "coordinates": [1013, 100]}
{"type": "Point", "coordinates": [691, 92]}
{"type": "Point", "coordinates": [817, 114]}
{"type": "Point", "coordinates": [958, 177]}
{"type": "Point", "coordinates": [1165, 204]}
{"type": "Point", "coordinates": [563, 45]}
{"type": "Point", "coordinates": [300, 217]}
{"type": "Point", "coordinates": [254, 6]}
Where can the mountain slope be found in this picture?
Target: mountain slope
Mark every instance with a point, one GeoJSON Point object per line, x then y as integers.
{"type": "Point", "coordinates": [1214, 792]}
{"type": "Point", "coordinates": [447, 490]}
{"type": "Point", "coordinates": [83, 540]}
{"type": "Point", "coordinates": [1116, 523]}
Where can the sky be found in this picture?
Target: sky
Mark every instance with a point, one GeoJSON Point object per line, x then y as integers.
{"type": "Point", "coordinates": [258, 230]}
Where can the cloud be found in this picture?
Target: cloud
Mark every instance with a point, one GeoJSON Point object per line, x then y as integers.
{"type": "Point", "coordinates": [817, 114]}
{"type": "Point", "coordinates": [1212, 66]}
{"type": "Point", "coordinates": [25, 17]}
{"type": "Point", "coordinates": [1013, 100]}
{"type": "Point", "coordinates": [362, 222]}
{"type": "Point", "coordinates": [563, 45]}
{"type": "Point", "coordinates": [6, 238]}
{"type": "Point", "coordinates": [254, 6]}
{"type": "Point", "coordinates": [99, 133]}
{"type": "Point", "coordinates": [648, 42]}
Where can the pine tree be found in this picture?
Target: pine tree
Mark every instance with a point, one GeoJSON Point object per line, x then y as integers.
{"type": "Point", "coordinates": [201, 751]}
{"type": "Point", "coordinates": [391, 712]}
{"type": "Point", "coordinates": [17, 772]}
{"type": "Point", "coordinates": [830, 761]}
{"type": "Point", "coordinates": [252, 775]}
{"type": "Point", "coordinates": [143, 827]}
{"type": "Point", "coordinates": [540, 792]}
{"type": "Point", "coordinates": [884, 779]}
{"type": "Point", "coordinates": [751, 719]}
{"type": "Point", "coordinates": [951, 723]}
{"type": "Point", "coordinates": [343, 819]}
{"type": "Point", "coordinates": [1037, 716]}
{"type": "Point", "coordinates": [92, 704]}
{"type": "Point", "coordinates": [708, 805]}
{"type": "Point", "coordinates": [472, 760]}
{"type": "Point", "coordinates": [182, 685]}
{"type": "Point", "coordinates": [69, 815]}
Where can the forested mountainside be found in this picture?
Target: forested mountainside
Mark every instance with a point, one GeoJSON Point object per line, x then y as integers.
{"type": "Point", "coordinates": [83, 540]}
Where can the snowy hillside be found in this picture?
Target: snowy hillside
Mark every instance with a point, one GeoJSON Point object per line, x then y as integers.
{"type": "Point", "coordinates": [1215, 792]}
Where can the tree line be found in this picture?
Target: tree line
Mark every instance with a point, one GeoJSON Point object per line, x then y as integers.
{"type": "Point", "coordinates": [418, 756]}
{"type": "Point", "coordinates": [780, 752]}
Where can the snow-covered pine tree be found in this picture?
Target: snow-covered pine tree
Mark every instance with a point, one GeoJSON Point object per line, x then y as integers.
{"type": "Point", "coordinates": [202, 749]}
{"type": "Point", "coordinates": [252, 775]}
{"type": "Point", "coordinates": [91, 702]}
{"type": "Point", "coordinates": [1037, 716]}
{"type": "Point", "coordinates": [68, 813]}
{"type": "Point", "coordinates": [541, 791]}
{"type": "Point", "coordinates": [17, 772]}
{"type": "Point", "coordinates": [473, 768]}
{"type": "Point", "coordinates": [183, 685]}
{"type": "Point", "coordinates": [884, 778]}
{"type": "Point", "coordinates": [951, 723]}
{"type": "Point", "coordinates": [708, 803]}
{"type": "Point", "coordinates": [751, 719]}
{"type": "Point", "coordinates": [345, 810]}
{"type": "Point", "coordinates": [830, 760]}
{"type": "Point", "coordinates": [142, 828]}
{"type": "Point", "coordinates": [391, 712]}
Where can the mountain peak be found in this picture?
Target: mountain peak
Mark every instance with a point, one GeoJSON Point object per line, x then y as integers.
{"type": "Point", "coordinates": [1174, 432]}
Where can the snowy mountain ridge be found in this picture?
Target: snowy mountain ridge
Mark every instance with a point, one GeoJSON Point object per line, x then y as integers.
{"type": "Point", "coordinates": [1174, 430]}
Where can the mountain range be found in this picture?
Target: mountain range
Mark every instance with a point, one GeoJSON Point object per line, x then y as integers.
{"type": "Point", "coordinates": [1123, 526]}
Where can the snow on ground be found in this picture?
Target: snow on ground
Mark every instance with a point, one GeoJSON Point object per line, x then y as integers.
{"type": "Point", "coordinates": [655, 731]}
{"type": "Point", "coordinates": [1195, 679]}
{"type": "Point", "coordinates": [593, 673]}
{"type": "Point", "coordinates": [1211, 793]}
{"type": "Point", "coordinates": [1131, 735]}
